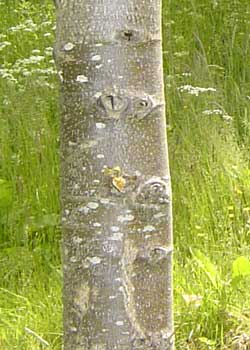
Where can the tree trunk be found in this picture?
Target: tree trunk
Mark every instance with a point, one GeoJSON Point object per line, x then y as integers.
{"type": "Point", "coordinates": [116, 195]}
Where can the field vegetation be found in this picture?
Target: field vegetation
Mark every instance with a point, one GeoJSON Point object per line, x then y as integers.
{"type": "Point", "coordinates": [207, 79]}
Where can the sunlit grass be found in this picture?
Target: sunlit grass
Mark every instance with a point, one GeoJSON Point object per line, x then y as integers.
{"type": "Point", "coordinates": [30, 277]}
{"type": "Point", "coordinates": [207, 87]}
{"type": "Point", "coordinates": [207, 78]}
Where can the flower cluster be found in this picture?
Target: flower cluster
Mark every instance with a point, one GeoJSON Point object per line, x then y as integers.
{"type": "Point", "coordinates": [38, 66]}
{"type": "Point", "coordinates": [195, 90]}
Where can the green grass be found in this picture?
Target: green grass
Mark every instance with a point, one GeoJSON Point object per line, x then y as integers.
{"type": "Point", "coordinates": [206, 45]}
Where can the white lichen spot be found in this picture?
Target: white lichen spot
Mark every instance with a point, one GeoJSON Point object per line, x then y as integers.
{"type": "Point", "coordinates": [96, 58]}
{"type": "Point", "coordinates": [97, 224]}
{"type": "Point", "coordinates": [125, 218]}
{"type": "Point", "coordinates": [95, 260]}
{"type": "Point", "coordinates": [107, 247]}
{"type": "Point", "coordinates": [148, 228]}
{"type": "Point", "coordinates": [77, 240]}
{"type": "Point", "coordinates": [76, 186]}
{"type": "Point", "coordinates": [98, 44]}
{"type": "Point", "coordinates": [100, 156]}
{"type": "Point", "coordinates": [119, 323]}
{"type": "Point", "coordinates": [114, 228]}
{"type": "Point", "coordinates": [82, 79]}
{"type": "Point", "coordinates": [104, 201]}
{"type": "Point", "coordinates": [73, 329]}
{"type": "Point", "coordinates": [60, 75]}
{"type": "Point", "coordinates": [121, 289]}
{"type": "Point", "coordinates": [72, 143]}
{"type": "Point", "coordinates": [73, 259]}
{"type": "Point", "coordinates": [96, 181]}
{"type": "Point", "coordinates": [88, 144]}
{"type": "Point", "coordinates": [68, 47]}
{"type": "Point", "coordinates": [100, 126]}
{"type": "Point", "coordinates": [97, 94]}
{"type": "Point", "coordinates": [83, 210]}
{"type": "Point", "coordinates": [66, 211]}
{"type": "Point", "coordinates": [117, 236]}
{"type": "Point", "coordinates": [111, 297]}
{"type": "Point", "coordinates": [98, 66]}
{"type": "Point", "coordinates": [92, 205]}
{"type": "Point", "coordinates": [159, 215]}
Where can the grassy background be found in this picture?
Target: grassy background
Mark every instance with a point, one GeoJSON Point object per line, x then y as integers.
{"type": "Point", "coordinates": [207, 78]}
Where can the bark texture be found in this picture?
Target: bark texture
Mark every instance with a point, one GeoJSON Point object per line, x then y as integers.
{"type": "Point", "coordinates": [116, 195]}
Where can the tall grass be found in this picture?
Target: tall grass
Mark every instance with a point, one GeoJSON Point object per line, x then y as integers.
{"type": "Point", "coordinates": [207, 78]}
{"type": "Point", "coordinates": [30, 277]}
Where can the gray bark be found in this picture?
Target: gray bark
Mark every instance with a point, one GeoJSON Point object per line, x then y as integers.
{"type": "Point", "coordinates": [116, 195]}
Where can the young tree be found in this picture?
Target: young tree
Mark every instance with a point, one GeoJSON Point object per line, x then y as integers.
{"type": "Point", "coordinates": [116, 196]}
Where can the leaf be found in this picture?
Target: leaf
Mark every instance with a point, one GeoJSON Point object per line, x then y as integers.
{"type": "Point", "coordinates": [241, 267]}
{"type": "Point", "coordinates": [5, 194]}
{"type": "Point", "coordinates": [119, 183]}
{"type": "Point", "coordinates": [208, 267]}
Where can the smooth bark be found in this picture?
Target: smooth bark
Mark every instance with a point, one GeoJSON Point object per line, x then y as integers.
{"type": "Point", "coordinates": [116, 195]}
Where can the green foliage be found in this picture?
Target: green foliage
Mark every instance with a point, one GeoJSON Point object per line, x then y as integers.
{"type": "Point", "coordinates": [30, 272]}
{"type": "Point", "coordinates": [207, 74]}
{"type": "Point", "coordinates": [241, 267]}
{"type": "Point", "coordinates": [207, 92]}
{"type": "Point", "coordinates": [208, 268]}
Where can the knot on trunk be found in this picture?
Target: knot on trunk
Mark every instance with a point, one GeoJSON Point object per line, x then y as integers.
{"type": "Point", "coordinates": [113, 104]}
{"type": "Point", "coordinates": [154, 191]}
{"type": "Point", "coordinates": [129, 35]}
{"type": "Point", "coordinates": [142, 107]}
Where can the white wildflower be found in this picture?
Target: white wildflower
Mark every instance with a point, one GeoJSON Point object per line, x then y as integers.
{"type": "Point", "coordinates": [213, 111]}
{"type": "Point", "coordinates": [227, 118]}
{"type": "Point", "coordinates": [219, 112]}
{"type": "Point", "coordinates": [17, 28]}
{"type": "Point", "coordinates": [48, 50]}
{"type": "Point", "coordinates": [195, 90]}
{"type": "Point", "coordinates": [181, 54]}
{"type": "Point", "coordinates": [3, 44]}
{"type": "Point", "coordinates": [35, 51]}
{"type": "Point", "coordinates": [46, 23]}
{"type": "Point", "coordinates": [26, 73]}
